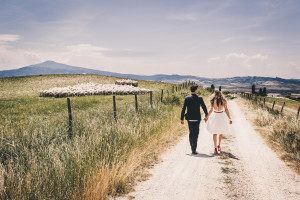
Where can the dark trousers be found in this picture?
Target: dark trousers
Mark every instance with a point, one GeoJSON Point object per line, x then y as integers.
{"type": "Point", "coordinates": [194, 132]}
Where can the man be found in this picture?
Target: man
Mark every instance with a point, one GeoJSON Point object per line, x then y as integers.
{"type": "Point", "coordinates": [193, 116]}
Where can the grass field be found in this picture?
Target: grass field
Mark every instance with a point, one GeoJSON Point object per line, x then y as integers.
{"type": "Point", "coordinates": [104, 157]}
{"type": "Point", "coordinates": [281, 130]}
{"type": "Point", "coordinates": [291, 106]}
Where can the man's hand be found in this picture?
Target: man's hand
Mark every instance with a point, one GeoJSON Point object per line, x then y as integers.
{"type": "Point", "coordinates": [182, 121]}
{"type": "Point", "coordinates": [230, 121]}
{"type": "Point", "coordinates": [205, 119]}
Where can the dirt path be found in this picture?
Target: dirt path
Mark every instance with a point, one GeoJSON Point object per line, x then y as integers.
{"type": "Point", "coordinates": [247, 169]}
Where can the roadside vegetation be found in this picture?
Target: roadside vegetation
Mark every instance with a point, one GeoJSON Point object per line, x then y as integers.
{"type": "Point", "coordinates": [103, 158]}
{"type": "Point", "coordinates": [281, 130]}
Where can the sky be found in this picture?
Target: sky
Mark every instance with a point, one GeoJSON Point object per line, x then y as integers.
{"type": "Point", "coordinates": [207, 38]}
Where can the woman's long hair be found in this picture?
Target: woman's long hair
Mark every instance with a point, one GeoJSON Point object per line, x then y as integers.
{"type": "Point", "coordinates": [218, 97]}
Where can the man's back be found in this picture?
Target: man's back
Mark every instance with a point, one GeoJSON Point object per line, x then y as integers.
{"type": "Point", "coordinates": [193, 103]}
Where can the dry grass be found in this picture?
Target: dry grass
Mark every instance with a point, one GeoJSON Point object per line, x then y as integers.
{"type": "Point", "coordinates": [124, 175]}
{"type": "Point", "coordinates": [39, 161]}
{"type": "Point", "coordinates": [281, 131]}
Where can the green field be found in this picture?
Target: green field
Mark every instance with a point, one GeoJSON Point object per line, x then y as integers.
{"type": "Point", "coordinates": [39, 161]}
{"type": "Point", "coordinates": [291, 106]}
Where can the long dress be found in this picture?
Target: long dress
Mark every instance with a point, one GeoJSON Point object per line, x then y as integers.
{"type": "Point", "coordinates": [218, 123]}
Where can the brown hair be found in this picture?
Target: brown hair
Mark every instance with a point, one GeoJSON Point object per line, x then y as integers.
{"type": "Point", "coordinates": [219, 97]}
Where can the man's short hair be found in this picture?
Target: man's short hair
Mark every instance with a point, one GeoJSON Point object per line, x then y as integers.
{"type": "Point", "coordinates": [194, 88]}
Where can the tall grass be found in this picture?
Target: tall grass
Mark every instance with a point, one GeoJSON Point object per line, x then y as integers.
{"type": "Point", "coordinates": [283, 129]}
{"type": "Point", "coordinates": [39, 161]}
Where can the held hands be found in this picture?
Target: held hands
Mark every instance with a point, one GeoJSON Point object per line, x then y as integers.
{"type": "Point", "coordinates": [205, 119]}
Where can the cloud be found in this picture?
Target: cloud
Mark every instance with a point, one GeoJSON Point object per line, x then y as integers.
{"type": "Point", "coordinates": [235, 60]}
{"type": "Point", "coordinates": [85, 49]}
{"type": "Point", "coordinates": [183, 17]}
{"type": "Point", "coordinates": [227, 39]}
{"type": "Point", "coordinates": [9, 38]}
{"type": "Point", "coordinates": [214, 59]}
{"type": "Point", "coordinates": [245, 57]}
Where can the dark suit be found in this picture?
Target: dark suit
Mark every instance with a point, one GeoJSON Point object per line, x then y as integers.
{"type": "Point", "coordinates": [193, 103]}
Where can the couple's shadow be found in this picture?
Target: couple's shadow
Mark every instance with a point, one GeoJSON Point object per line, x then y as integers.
{"type": "Point", "coordinates": [223, 153]}
{"type": "Point", "coordinates": [202, 155]}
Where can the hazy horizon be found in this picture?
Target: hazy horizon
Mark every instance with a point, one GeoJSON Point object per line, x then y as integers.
{"type": "Point", "coordinates": [213, 39]}
{"type": "Point", "coordinates": [153, 74]}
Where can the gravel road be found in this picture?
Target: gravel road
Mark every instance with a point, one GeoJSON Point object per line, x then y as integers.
{"type": "Point", "coordinates": [247, 169]}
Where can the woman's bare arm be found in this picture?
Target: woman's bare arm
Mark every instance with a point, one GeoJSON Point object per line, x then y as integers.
{"type": "Point", "coordinates": [210, 111]}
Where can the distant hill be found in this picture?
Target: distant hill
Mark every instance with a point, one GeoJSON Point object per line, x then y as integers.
{"type": "Point", "coordinates": [233, 83]}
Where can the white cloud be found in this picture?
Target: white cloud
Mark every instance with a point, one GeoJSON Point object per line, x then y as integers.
{"type": "Point", "coordinates": [234, 60]}
{"type": "Point", "coordinates": [183, 17]}
{"type": "Point", "coordinates": [227, 39]}
{"type": "Point", "coordinates": [214, 59]}
{"type": "Point", "coordinates": [85, 49]}
{"type": "Point", "coordinates": [9, 38]}
{"type": "Point", "coordinates": [245, 57]}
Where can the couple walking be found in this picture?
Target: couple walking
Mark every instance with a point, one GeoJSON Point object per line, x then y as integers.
{"type": "Point", "coordinates": [217, 121]}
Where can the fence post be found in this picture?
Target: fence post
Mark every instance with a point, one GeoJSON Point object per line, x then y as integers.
{"type": "Point", "coordinates": [173, 89]}
{"type": "Point", "coordinates": [70, 118]}
{"type": "Point", "coordinates": [136, 103]}
{"type": "Point", "coordinates": [273, 105]}
{"type": "Point", "coordinates": [162, 96]}
{"type": "Point", "coordinates": [259, 100]}
{"type": "Point", "coordinates": [151, 99]}
{"type": "Point", "coordinates": [264, 101]}
{"type": "Point", "coordinates": [115, 107]}
{"type": "Point", "coordinates": [298, 112]}
{"type": "Point", "coordinates": [282, 106]}
{"type": "Point", "coordinates": [168, 92]}
{"type": "Point", "coordinates": [176, 88]}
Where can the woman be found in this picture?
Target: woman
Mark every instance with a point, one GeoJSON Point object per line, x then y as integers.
{"type": "Point", "coordinates": [217, 123]}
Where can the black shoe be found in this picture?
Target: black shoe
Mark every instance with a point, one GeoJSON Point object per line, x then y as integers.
{"type": "Point", "coordinates": [194, 152]}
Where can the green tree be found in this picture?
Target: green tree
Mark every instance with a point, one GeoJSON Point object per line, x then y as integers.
{"type": "Point", "coordinates": [253, 89]}
{"type": "Point", "coordinates": [212, 88]}
{"type": "Point", "coordinates": [260, 92]}
{"type": "Point", "coordinates": [264, 92]}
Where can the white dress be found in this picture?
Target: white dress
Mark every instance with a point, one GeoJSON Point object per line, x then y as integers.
{"type": "Point", "coordinates": [218, 123]}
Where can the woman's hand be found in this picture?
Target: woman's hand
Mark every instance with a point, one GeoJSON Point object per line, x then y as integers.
{"type": "Point", "coordinates": [230, 121]}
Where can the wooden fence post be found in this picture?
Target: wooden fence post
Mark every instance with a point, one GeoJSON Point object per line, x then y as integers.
{"type": "Point", "coordinates": [115, 107]}
{"type": "Point", "coordinates": [282, 106]}
{"type": "Point", "coordinates": [298, 112]}
{"type": "Point", "coordinates": [176, 88]}
{"type": "Point", "coordinates": [136, 103]}
{"type": "Point", "coordinates": [162, 96]}
{"type": "Point", "coordinates": [151, 99]}
{"type": "Point", "coordinates": [264, 101]}
{"type": "Point", "coordinates": [259, 100]}
{"type": "Point", "coordinates": [173, 89]}
{"type": "Point", "coordinates": [70, 118]}
{"type": "Point", "coordinates": [273, 105]}
{"type": "Point", "coordinates": [168, 92]}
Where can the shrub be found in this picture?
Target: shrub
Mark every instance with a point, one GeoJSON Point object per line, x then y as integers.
{"type": "Point", "coordinates": [172, 99]}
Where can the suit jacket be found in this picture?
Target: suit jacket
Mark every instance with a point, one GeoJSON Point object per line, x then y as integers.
{"type": "Point", "coordinates": [193, 103]}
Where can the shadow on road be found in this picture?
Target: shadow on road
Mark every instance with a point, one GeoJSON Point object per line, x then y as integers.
{"type": "Point", "coordinates": [202, 155]}
{"type": "Point", "coordinates": [230, 155]}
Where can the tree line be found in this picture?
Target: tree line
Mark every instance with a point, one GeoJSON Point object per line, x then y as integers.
{"type": "Point", "coordinates": [261, 91]}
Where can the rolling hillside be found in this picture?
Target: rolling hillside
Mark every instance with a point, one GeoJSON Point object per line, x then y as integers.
{"type": "Point", "coordinates": [233, 83]}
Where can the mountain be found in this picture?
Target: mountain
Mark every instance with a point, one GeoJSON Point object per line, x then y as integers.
{"type": "Point", "coordinates": [232, 83]}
